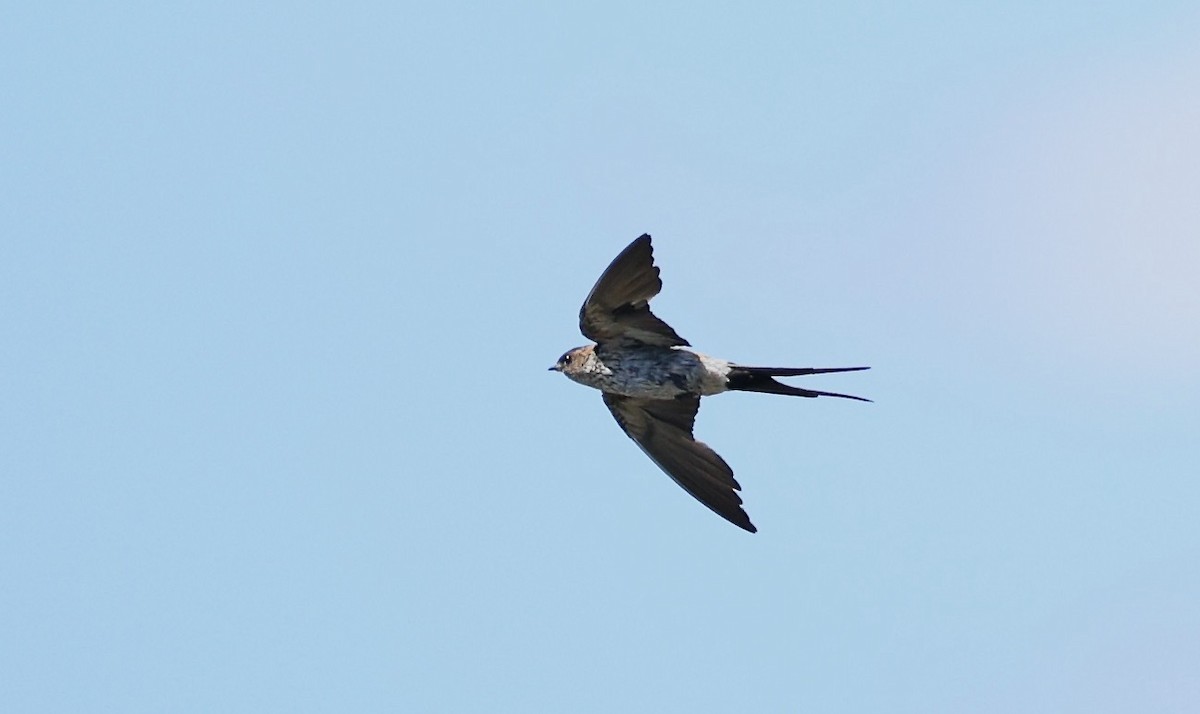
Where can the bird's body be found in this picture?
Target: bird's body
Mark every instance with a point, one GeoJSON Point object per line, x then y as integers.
{"type": "Point", "coordinates": [652, 381]}
{"type": "Point", "coordinates": [650, 371]}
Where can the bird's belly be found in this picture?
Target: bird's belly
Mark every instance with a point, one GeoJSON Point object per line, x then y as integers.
{"type": "Point", "coordinates": [643, 389]}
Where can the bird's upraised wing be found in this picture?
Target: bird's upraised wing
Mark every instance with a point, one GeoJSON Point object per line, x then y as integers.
{"type": "Point", "coordinates": [663, 430]}
{"type": "Point", "coordinates": [617, 308]}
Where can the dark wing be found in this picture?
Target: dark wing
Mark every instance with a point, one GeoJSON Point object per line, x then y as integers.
{"type": "Point", "coordinates": [663, 429]}
{"type": "Point", "coordinates": [618, 308]}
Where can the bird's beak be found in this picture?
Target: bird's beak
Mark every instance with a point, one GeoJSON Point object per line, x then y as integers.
{"type": "Point", "coordinates": [554, 368]}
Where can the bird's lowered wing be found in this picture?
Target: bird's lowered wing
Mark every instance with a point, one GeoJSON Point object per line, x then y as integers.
{"type": "Point", "coordinates": [663, 430]}
{"type": "Point", "coordinates": [618, 307]}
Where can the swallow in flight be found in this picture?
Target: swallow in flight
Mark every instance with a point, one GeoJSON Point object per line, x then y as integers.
{"type": "Point", "coordinates": [652, 381]}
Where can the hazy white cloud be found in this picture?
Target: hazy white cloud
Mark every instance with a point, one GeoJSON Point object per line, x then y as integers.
{"type": "Point", "coordinates": [1085, 203]}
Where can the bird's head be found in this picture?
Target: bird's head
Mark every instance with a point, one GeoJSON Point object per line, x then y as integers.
{"type": "Point", "coordinates": [572, 360]}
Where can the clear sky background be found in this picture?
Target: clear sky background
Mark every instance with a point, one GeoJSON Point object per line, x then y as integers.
{"type": "Point", "coordinates": [279, 285]}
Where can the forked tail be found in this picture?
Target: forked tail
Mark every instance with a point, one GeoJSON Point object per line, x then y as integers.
{"type": "Point", "coordinates": [759, 379]}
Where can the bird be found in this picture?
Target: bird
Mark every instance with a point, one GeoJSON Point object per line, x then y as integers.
{"type": "Point", "coordinates": [652, 380]}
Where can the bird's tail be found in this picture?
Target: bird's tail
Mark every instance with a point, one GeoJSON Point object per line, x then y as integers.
{"type": "Point", "coordinates": [759, 379]}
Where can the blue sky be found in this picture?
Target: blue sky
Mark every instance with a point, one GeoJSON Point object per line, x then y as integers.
{"type": "Point", "coordinates": [279, 285]}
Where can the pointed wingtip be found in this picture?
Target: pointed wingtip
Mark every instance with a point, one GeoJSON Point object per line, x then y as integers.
{"type": "Point", "coordinates": [739, 518]}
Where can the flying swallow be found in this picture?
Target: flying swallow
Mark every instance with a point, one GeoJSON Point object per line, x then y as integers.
{"type": "Point", "coordinates": [652, 381]}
